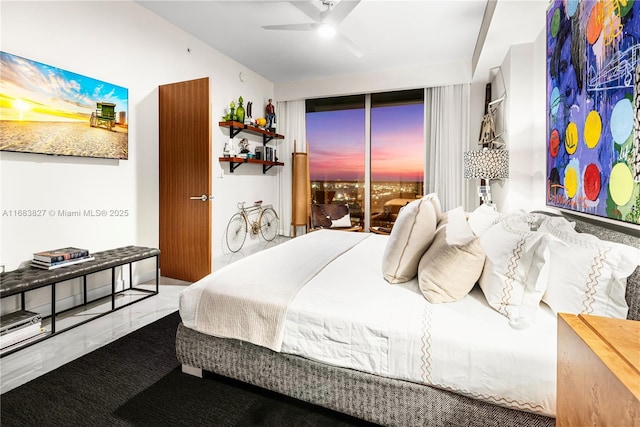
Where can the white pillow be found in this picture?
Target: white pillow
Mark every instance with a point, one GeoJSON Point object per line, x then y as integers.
{"type": "Point", "coordinates": [343, 222]}
{"type": "Point", "coordinates": [514, 277]}
{"type": "Point", "coordinates": [537, 218]}
{"type": "Point", "coordinates": [483, 217]}
{"type": "Point", "coordinates": [410, 237]}
{"type": "Point", "coordinates": [453, 263]}
{"type": "Point", "coordinates": [589, 276]}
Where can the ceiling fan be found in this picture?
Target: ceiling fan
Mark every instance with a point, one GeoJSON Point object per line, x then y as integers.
{"type": "Point", "coordinates": [326, 21]}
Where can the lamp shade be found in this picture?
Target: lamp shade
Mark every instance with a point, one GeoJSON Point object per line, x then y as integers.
{"type": "Point", "coordinates": [486, 164]}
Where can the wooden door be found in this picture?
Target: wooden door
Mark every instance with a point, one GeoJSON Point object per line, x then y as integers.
{"type": "Point", "coordinates": [185, 173]}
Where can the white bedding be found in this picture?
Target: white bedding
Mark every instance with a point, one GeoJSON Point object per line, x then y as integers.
{"type": "Point", "coordinates": [249, 301]}
{"type": "Point", "coordinates": [348, 315]}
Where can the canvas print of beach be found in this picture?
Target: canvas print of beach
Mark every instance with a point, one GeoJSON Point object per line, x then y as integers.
{"type": "Point", "coordinates": [48, 110]}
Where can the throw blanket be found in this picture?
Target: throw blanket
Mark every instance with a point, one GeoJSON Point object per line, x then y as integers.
{"type": "Point", "coordinates": [248, 300]}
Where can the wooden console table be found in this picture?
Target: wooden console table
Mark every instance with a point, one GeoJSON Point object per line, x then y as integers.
{"type": "Point", "coordinates": [598, 371]}
{"type": "Point", "coordinates": [23, 280]}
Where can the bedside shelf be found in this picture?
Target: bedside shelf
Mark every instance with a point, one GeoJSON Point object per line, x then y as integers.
{"type": "Point", "coordinates": [234, 162]}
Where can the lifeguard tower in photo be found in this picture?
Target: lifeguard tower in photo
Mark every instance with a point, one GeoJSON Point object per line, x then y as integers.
{"type": "Point", "coordinates": [105, 115]}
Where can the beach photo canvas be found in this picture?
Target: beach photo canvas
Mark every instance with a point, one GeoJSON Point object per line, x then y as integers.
{"type": "Point", "coordinates": [48, 110]}
{"type": "Point", "coordinates": [593, 108]}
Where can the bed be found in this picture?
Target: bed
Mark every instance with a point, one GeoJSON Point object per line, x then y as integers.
{"type": "Point", "coordinates": [395, 359]}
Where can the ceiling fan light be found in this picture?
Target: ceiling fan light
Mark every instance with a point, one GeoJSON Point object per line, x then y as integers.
{"type": "Point", "coordinates": [326, 30]}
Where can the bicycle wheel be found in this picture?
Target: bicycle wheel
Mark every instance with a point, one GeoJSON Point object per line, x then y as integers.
{"type": "Point", "coordinates": [269, 224]}
{"type": "Point", "coordinates": [236, 232]}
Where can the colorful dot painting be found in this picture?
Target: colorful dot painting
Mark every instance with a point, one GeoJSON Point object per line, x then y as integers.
{"type": "Point", "coordinates": [593, 117]}
{"type": "Point", "coordinates": [592, 129]}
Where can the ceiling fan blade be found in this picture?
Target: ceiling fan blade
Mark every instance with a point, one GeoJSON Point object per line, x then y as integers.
{"type": "Point", "coordinates": [336, 15]}
{"type": "Point", "coordinates": [291, 27]}
{"type": "Point", "coordinates": [307, 8]}
{"type": "Point", "coordinates": [350, 45]}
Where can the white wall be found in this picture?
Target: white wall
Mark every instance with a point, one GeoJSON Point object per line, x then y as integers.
{"type": "Point", "coordinates": [124, 44]}
{"type": "Point", "coordinates": [376, 81]}
{"type": "Point", "coordinates": [523, 70]}
{"type": "Point", "coordinates": [539, 154]}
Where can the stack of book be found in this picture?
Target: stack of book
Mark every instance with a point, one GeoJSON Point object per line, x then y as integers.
{"type": "Point", "coordinates": [56, 258]}
{"type": "Point", "coordinates": [20, 327]}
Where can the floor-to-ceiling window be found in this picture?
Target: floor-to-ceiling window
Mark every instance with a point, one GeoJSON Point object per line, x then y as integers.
{"type": "Point", "coordinates": [397, 153]}
{"type": "Point", "coordinates": [336, 136]}
{"type": "Point", "coordinates": [341, 147]}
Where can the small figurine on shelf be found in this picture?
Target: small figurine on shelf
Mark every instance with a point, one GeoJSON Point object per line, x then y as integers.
{"type": "Point", "coordinates": [270, 110]}
{"type": "Point", "coordinates": [244, 145]}
{"type": "Point", "coordinates": [226, 150]}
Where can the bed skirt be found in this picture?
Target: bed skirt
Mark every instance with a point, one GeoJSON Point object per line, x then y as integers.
{"type": "Point", "coordinates": [384, 401]}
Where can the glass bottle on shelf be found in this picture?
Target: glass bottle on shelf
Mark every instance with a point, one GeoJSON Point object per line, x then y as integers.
{"type": "Point", "coordinates": [240, 111]}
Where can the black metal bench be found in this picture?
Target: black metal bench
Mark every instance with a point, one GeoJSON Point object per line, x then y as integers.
{"type": "Point", "coordinates": [23, 280]}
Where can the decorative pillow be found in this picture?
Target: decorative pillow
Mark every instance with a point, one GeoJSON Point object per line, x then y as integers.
{"type": "Point", "coordinates": [483, 217]}
{"type": "Point", "coordinates": [514, 277]}
{"type": "Point", "coordinates": [410, 237]}
{"type": "Point", "coordinates": [589, 276]}
{"type": "Point", "coordinates": [453, 263]}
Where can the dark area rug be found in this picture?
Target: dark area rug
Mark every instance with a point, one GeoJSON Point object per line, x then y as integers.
{"type": "Point", "coordinates": [182, 400]}
{"type": "Point", "coordinates": [137, 380]}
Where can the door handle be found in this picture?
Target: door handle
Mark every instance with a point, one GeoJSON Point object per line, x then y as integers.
{"type": "Point", "coordinates": [202, 198]}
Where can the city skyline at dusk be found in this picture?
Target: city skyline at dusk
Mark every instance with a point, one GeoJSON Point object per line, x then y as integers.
{"type": "Point", "coordinates": [337, 138]}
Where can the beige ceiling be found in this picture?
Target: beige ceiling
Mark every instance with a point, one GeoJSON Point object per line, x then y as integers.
{"type": "Point", "coordinates": [390, 34]}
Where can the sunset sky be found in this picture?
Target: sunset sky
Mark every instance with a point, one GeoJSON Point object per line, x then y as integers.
{"type": "Point", "coordinates": [336, 144]}
{"type": "Point", "coordinates": [31, 91]}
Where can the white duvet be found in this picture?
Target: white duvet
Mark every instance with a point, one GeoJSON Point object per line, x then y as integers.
{"type": "Point", "coordinates": [347, 315]}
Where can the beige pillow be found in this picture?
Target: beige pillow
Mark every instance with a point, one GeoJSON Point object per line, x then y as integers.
{"type": "Point", "coordinates": [410, 237]}
{"type": "Point", "coordinates": [453, 263]}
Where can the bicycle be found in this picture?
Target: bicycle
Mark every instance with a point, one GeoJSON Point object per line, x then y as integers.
{"type": "Point", "coordinates": [265, 221]}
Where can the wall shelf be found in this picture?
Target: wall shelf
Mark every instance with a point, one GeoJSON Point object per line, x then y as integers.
{"type": "Point", "coordinates": [234, 162]}
{"type": "Point", "coordinates": [236, 127]}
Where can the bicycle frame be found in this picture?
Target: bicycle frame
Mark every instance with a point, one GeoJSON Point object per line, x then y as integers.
{"type": "Point", "coordinates": [252, 215]}
{"type": "Point", "coordinates": [260, 219]}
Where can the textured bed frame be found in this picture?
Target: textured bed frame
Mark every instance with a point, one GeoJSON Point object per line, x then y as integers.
{"type": "Point", "coordinates": [370, 397]}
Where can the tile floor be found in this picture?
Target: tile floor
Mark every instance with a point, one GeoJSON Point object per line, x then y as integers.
{"type": "Point", "coordinates": [31, 362]}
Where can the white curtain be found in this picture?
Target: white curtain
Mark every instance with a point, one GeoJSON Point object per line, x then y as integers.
{"type": "Point", "coordinates": [447, 138]}
{"type": "Point", "coordinates": [290, 123]}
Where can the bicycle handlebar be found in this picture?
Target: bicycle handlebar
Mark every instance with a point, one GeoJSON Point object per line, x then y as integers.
{"type": "Point", "coordinates": [256, 204]}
